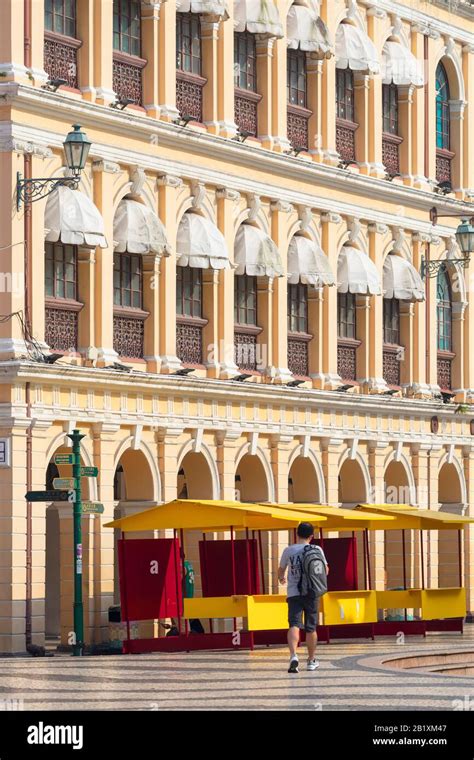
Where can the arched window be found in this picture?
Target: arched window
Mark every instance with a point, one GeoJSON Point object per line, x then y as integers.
{"type": "Point", "coordinates": [128, 64]}
{"type": "Point", "coordinates": [246, 98]}
{"type": "Point", "coordinates": [444, 312]}
{"type": "Point", "coordinates": [346, 334]}
{"type": "Point", "coordinates": [129, 317]}
{"type": "Point", "coordinates": [345, 114]}
{"type": "Point", "coordinates": [444, 154]}
{"type": "Point", "coordinates": [442, 108]}
{"type": "Point", "coordinates": [245, 318]}
{"type": "Point", "coordinates": [189, 318]}
{"type": "Point", "coordinates": [189, 82]}
{"type": "Point", "coordinates": [61, 304]}
{"type": "Point", "coordinates": [298, 335]}
{"type": "Point", "coordinates": [444, 330]}
{"type": "Point", "coordinates": [298, 113]}
{"type": "Point", "coordinates": [60, 43]}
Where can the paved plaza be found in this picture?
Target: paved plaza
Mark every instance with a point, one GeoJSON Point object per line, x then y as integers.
{"type": "Point", "coordinates": [352, 676]}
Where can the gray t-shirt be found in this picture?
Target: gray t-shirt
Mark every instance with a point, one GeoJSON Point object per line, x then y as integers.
{"type": "Point", "coordinates": [291, 558]}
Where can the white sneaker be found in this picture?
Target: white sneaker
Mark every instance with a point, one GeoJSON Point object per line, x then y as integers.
{"type": "Point", "coordinates": [293, 667]}
{"type": "Point", "coordinates": [312, 665]}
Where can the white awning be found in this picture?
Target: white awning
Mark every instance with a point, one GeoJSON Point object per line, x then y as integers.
{"type": "Point", "coordinates": [199, 244]}
{"type": "Point", "coordinates": [400, 66]}
{"type": "Point", "coordinates": [257, 17]}
{"type": "Point", "coordinates": [71, 218]}
{"type": "Point", "coordinates": [137, 229]}
{"type": "Point", "coordinates": [307, 31]}
{"type": "Point", "coordinates": [355, 50]}
{"type": "Point", "coordinates": [205, 7]}
{"type": "Point", "coordinates": [356, 273]}
{"type": "Point", "coordinates": [255, 253]}
{"type": "Point", "coordinates": [401, 280]}
{"type": "Point", "coordinates": [308, 264]}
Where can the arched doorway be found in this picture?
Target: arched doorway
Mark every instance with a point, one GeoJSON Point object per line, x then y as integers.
{"type": "Point", "coordinates": [303, 484]}
{"type": "Point", "coordinates": [398, 544]}
{"type": "Point", "coordinates": [351, 484]}
{"type": "Point", "coordinates": [195, 479]}
{"type": "Point", "coordinates": [450, 498]}
{"type": "Point", "coordinates": [251, 482]}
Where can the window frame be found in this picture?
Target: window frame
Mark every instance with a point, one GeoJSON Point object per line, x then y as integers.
{"type": "Point", "coordinates": [61, 14]}
{"type": "Point", "coordinates": [391, 312]}
{"type": "Point", "coordinates": [296, 67]}
{"type": "Point", "coordinates": [297, 296]}
{"type": "Point", "coordinates": [248, 79]}
{"type": "Point", "coordinates": [245, 286]}
{"type": "Point", "coordinates": [346, 303]}
{"type": "Point", "coordinates": [121, 259]}
{"type": "Point", "coordinates": [345, 103]}
{"type": "Point", "coordinates": [390, 109]}
{"type": "Point", "coordinates": [189, 277]}
{"type": "Point", "coordinates": [64, 249]}
{"type": "Point", "coordinates": [194, 23]}
{"type": "Point", "coordinates": [134, 50]}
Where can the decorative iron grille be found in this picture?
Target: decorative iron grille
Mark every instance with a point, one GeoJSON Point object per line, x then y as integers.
{"type": "Point", "coordinates": [127, 78]}
{"type": "Point", "coordinates": [129, 333]}
{"type": "Point", "coordinates": [391, 153]}
{"type": "Point", "coordinates": [391, 365]}
{"type": "Point", "coordinates": [297, 126]}
{"type": "Point", "coordinates": [445, 372]}
{"type": "Point", "coordinates": [61, 328]}
{"type": "Point", "coordinates": [245, 350]}
{"type": "Point", "coordinates": [60, 58]}
{"type": "Point", "coordinates": [345, 139]}
{"type": "Point", "coordinates": [346, 360]}
{"type": "Point", "coordinates": [443, 166]}
{"type": "Point", "coordinates": [189, 98]}
{"type": "Point", "coordinates": [189, 342]}
{"type": "Point", "coordinates": [245, 111]}
{"type": "Point", "coordinates": [298, 362]}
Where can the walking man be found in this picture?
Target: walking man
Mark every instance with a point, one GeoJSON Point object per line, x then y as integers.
{"type": "Point", "coordinates": [307, 571]}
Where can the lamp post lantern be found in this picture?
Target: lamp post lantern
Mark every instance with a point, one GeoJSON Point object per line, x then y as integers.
{"type": "Point", "coordinates": [464, 238]}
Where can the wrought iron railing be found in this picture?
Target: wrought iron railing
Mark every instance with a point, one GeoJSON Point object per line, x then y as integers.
{"type": "Point", "coordinates": [444, 367]}
{"type": "Point", "coordinates": [189, 339]}
{"type": "Point", "coordinates": [61, 325]}
{"type": "Point", "coordinates": [189, 94]}
{"type": "Point", "coordinates": [297, 126]}
{"type": "Point", "coordinates": [444, 159]}
{"type": "Point", "coordinates": [127, 77]}
{"type": "Point", "coordinates": [60, 58]}
{"type": "Point", "coordinates": [129, 332]}
{"type": "Point", "coordinates": [391, 364]}
{"type": "Point", "coordinates": [298, 354]}
{"type": "Point", "coordinates": [345, 139]}
{"type": "Point", "coordinates": [245, 110]}
{"type": "Point", "coordinates": [347, 358]}
{"type": "Point", "coordinates": [391, 153]}
{"type": "Point", "coordinates": [246, 347]}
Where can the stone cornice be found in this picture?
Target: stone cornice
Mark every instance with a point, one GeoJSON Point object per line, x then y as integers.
{"type": "Point", "coordinates": [239, 155]}
{"type": "Point", "coordinates": [407, 13]}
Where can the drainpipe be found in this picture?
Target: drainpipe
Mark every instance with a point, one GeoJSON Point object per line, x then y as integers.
{"type": "Point", "coordinates": [29, 448]}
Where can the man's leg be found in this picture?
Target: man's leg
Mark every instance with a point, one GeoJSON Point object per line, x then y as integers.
{"type": "Point", "coordinates": [311, 641]}
{"type": "Point", "coordinates": [293, 639]}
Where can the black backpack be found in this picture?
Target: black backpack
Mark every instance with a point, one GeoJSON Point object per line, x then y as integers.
{"type": "Point", "coordinates": [313, 580]}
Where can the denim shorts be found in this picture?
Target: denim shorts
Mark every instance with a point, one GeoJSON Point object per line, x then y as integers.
{"type": "Point", "coordinates": [309, 605]}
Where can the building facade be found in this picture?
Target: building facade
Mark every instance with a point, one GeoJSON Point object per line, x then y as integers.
{"type": "Point", "coordinates": [255, 209]}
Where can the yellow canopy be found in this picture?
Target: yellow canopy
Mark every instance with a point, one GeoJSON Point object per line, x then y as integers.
{"type": "Point", "coordinates": [189, 514]}
{"type": "Point", "coordinates": [340, 519]}
{"type": "Point", "coordinates": [407, 516]}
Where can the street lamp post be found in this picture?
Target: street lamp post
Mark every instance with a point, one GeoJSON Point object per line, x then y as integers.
{"type": "Point", "coordinates": [76, 149]}
{"type": "Point", "coordinates": [78, 646]}
{"type": "Point", "coordinates": [465, 239]}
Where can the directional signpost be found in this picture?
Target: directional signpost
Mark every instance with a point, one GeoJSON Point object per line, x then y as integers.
{"type": "Point", "coordinates": [69, 489]}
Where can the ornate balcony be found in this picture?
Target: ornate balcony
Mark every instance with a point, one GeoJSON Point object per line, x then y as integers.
{"type": "Point", "coordinates": [189, 339]}
{"type": "Point", "coordinates": [347, 358]}
{"type": "Point", "coordinates": [129, 332]}
{"type": "Point", "coordinates": [60, 58]}
{"type": "Point", "coordinates": [189, 98]}
{"type": "Point", "coordinates": [445, 360]}
{"type": "Point", "coordinates": [298, 353]}
{"type": "Point", "coordinates": [245, 110]}
{"type": "Point", "coordinates": [245, 347]}
{"type": "Point", "coordinates": [297, 126]}
{"type": "Point", "coordinates": [345, 139]}
{"type": "Point", "coordinates": [391, 364]}
{"type": "Point", "coordinates": [391, 153]}
{"type": "Point", "coordinates": [61, 324]}
{"type": "Point", "coordinates": [444, 160]}
{"type": "Point", "coordinates": [127, 77]}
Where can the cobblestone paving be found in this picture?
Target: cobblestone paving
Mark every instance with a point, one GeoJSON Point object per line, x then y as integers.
{"type": "Point", "coordinates": [351, 677]}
